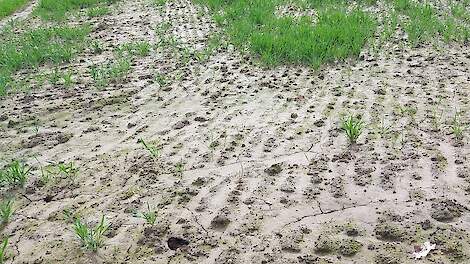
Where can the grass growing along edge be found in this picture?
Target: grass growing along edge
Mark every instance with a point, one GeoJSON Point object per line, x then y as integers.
{"type": "Point", "coordinates": [336, 35]}
{"type": "Point", "coordinates": [57, 9]}
{"type": "Point", "coordinates": [35, 47]}
{"type": "Point", "coordinates": [339, 29]}
{"type": "Point", "coordinates": [425, 24]}
{"type": "Point", "coordinates": [8, 7]}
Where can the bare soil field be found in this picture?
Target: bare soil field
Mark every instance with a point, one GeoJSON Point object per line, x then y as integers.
{"type": "Point", "coordinates": [194, 151]}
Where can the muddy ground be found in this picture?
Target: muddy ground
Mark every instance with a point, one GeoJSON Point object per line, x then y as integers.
{"type": "Point", "coordinates": [254, 167]}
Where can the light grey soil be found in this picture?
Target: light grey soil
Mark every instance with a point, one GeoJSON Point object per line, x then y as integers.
{"type": "Point", "coordinates": [267, 176]}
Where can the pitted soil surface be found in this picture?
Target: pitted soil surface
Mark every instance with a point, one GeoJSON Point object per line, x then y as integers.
{"type": "Point", "coordinates": [253, 165]}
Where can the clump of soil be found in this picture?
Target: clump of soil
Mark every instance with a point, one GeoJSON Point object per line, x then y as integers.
{"type": "Point", "coordinates": [446, 210]}
{"type": "Point", "coordinates": [389, 231]}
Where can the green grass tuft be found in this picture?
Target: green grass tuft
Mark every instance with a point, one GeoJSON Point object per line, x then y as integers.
{"type": "Point", "coordinates": [352, 127]}
{"type": "Point", "coordinates": [15, 174]}
{"type": "Point", "coordinates": [91, 238]}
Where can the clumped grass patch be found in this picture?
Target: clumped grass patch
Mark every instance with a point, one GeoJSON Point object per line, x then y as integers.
{"type": "Point", "coordinates": [92, 238]}
{"type": "Point", "coordinates": [352, 127]}
{"type": "Point", "coordinates": [111, 72]}
{"type": "Point", "coordinates": [457, 127]}
{"type": "Point", "coordinates": [15, 174]}
{"type": "Point", "coordinates": [35, 47]}
{"type": "Point", "coordinates": [98, 11]}
{"type": "Point", "coordinates": [425, 23]}
{"type": "Point", "coordinates": [459, 10]}
{"type": "Point", "coordinates": [133, 49]}
{"type": "Point", "coordinates": [339, 29]}
{"type": "Point", "coordinates": [57, 9]}
{"type": "Point", "coordinates": [336, 35]}
{"type": "Point", "coordinates": [117, 70]}
{"type": "Point", "coordinates": [8, 7]}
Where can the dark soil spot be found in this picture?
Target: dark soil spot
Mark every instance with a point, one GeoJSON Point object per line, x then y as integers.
{"type": "Point", "coordinates": [181, 124]}
{"type": "Point", "coordinates": [49, 139]}
{"type": "Point", "coordinates": [220, 222]}
{"type": "Point", "coordinates": [175, 242]}
{"type": "Point", "coordinates": [152, 237]}
{"type": "Point", "coordinates": [274, 169]}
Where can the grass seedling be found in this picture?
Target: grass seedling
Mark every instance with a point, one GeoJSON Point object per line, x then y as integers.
{"type": "Point", "coordinates": [150, 216]}
{"type": "Point", "coordinates": [179, 168]}
{"type": "Point", "coordinates": [6, 211]}
{"type": "Point", "coordinates": [45, 177]}
{"type": "Point", "coordinates": [154, 151]}
{"type": "Point", "coordinates": [67, 79]}
{"type": "Point", "coordinates": [457, 127]}
{"type": "Point", "coordinates": [15, 174]}
{"type": "Point", "coordinates": [69, 170]}
{"type": "Point", "coordinates": [96, 47]}
{"type": "Point", "coordinates": [2, 250]}
{"type": "Point", "coordinates": [352, 126]}
{"type": "Point", "coordinates": [98, 11]}
{"type": "Point", "coordinates": [110, 72]}
{"type": "Point", "coordinates": [50, 172]}
{"type": "Point", "coordinates": [161, 80]}
{"type": "Point", "coordinates": [436, 119]}
{"type": "Point", "coordinates": [54, 77]}
{"type": "Point", "coordinates": [383, 130]}
{"type": "Point", "coordinates": [91, 238]}
{"type": "Point", "coordinates": [159, 2]}
{"type": "Point", "coordinates": [133, 49]}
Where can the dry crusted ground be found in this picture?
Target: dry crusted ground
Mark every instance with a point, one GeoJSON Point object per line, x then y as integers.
{"type": "Point", "coordinates": [268, 175]}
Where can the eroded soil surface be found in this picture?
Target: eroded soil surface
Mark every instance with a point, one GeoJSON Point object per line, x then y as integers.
{"type": "Point", "coordinates": [254, 167]}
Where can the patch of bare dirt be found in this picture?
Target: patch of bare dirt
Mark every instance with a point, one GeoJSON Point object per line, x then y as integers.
{"type": "Point", "coordinates": [252, 164]}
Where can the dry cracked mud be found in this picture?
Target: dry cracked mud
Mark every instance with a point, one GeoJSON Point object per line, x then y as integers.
{"type": "Point", "coordinates": [254, 167]}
